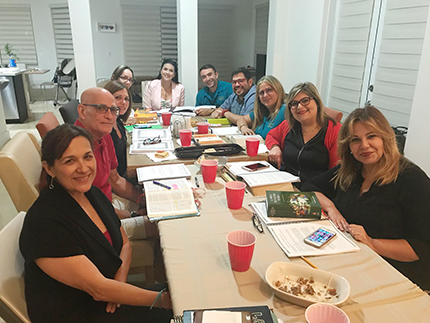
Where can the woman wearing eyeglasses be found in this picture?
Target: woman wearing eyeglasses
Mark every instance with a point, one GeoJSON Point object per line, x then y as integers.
{"type": "Point", "coordinates": [269, 108]}
{"type": "Point", "coordinates": [165, 91]}
{"type": "Point", "coordinates": [123, 74]}
{"type": "Point", "coordinates": [118, 134]}
{"type": "Point", "coordinates": [306, 142]}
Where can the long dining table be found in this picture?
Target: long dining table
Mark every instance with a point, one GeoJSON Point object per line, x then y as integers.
{"type": "Point", "coordinates": [200, 277]}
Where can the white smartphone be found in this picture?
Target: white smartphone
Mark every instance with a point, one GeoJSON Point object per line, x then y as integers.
{"type": "Point", "coordinates": [320, 237]}
{"type": "Point", "coordinates": [254, 167]}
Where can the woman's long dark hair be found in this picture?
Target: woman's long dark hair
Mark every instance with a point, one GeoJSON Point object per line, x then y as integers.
{"type": "Point", "coordinates": [175, 66]}
{"type": "Point", "coordinates": [115, 86]}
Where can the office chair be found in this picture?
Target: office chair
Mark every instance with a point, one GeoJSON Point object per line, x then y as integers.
{"type": "Point", "coordinates": [64, 77]}
{"type": "Point", "coordinates": [69, 111]}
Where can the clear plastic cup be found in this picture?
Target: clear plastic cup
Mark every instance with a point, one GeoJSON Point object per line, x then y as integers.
{"type": "Point", "coordinates": [240, 249]}
{"type": "Point", "coordinates": [235, 192]}
{"type": "Point", "coordinates": [252, 145]}
{"type": "Point", "coordinates": [209, 169]}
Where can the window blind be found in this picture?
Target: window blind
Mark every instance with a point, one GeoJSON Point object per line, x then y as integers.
{"type": "Point", "coordinates": [399, 58]}
{"type": "Point", "coordinates": [16, 28]}
{"type": "Point", "coordinates": [169, 34]}
{"type": "Point", "coordinates": [62, 33]}
{"type": "Point", "coordinates": [215, 40]}
{"type": "Point", "coordinates": [349, 54]}
{"type": "Point", "coordinates": [261, 28]}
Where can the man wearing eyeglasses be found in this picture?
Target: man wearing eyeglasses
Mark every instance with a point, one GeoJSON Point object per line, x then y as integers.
{"type": "Point", "coordinates": [214, 93]}
{"type": "Point", "coordinates": [97, 114]}
{"type": "Point", "coordinates": [241, 102]}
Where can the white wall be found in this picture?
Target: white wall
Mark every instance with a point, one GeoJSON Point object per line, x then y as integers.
{"type": "Point", "coordinates": [108, 47]}
{"type": "Point", "coordinates": [418, 138]}
{"type": "Point", "coordinates": [243, 34]}
{"type": "Point", "coordinates": [296, 31]}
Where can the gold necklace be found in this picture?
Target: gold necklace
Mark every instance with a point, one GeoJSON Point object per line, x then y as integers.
{"type": "Point", "coordinates": [312, 130]}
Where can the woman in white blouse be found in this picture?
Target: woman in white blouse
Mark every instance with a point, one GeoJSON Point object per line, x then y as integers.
{"type": "Point", "coordinates": [165, 91]}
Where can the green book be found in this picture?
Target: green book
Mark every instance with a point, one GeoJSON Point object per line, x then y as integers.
{"type": "Point", "coordinates": [219, 121]}
{"type": "Point", "coordinates": [293, 204]}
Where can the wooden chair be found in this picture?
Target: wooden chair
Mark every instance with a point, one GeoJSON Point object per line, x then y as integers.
{"type": "Point", "coordinates": [336, 115]}
{"type": "Point", "coordinates": [48, 122]}
{"type": "Point", "coordinates": [13, 307]}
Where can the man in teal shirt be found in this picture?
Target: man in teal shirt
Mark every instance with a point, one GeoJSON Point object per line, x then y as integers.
{"type": "Point", "coordinates": [214, 93]}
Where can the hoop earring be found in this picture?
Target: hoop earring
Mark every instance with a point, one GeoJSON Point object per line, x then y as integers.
{"type": "Point", "coordinates": [51, 186]}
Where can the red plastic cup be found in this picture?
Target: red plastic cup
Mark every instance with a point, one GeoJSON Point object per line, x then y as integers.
{"type": "Point", "coordinates": [235, 192]}
{"type": "Point", "coordinates": [165, 116]}
{"type": "Point", "coordinates": [240, 249]}
{"type": "Point", "coordinates": [324, 312]}
{"type": "Point", "coordinates": [203, 127]}
{"type": "Point", "coordinates": [185, 136]}
{"type": "Point", "coordinates": [209, 168]}
{"type": "Point", "coordinates": [252, 145]}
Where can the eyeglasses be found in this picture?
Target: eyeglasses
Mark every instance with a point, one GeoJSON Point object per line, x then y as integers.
{"type": "Point", "coordinates": [257, 223]}
{"type": "Point", "coordinates": [268, 91]}
{"type": "Point", "coordinates": [151, 141]}
{"type": "Point", "coordinates": [242, 80]}
{"type": "Point", "coordinates": [126, 79]}
{"type": "Point", "coordinates": [102, 109]}
{"type": "Point", "coordinates": [304, 102]}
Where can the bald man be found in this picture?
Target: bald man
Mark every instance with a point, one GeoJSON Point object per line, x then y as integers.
{"type": "Point", "coordinates": [97, 114]}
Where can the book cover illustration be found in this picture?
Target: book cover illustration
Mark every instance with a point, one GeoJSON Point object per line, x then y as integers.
{"type": "Point", "coordinates": [293, 204]}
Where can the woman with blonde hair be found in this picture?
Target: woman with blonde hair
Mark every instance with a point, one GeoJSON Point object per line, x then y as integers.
{"type": "Point", "coordinates": [377, 195]}
{"type": "Point", "coordinates": [306, 142]}
{"type": "Point", "coordinates": [269, 108]}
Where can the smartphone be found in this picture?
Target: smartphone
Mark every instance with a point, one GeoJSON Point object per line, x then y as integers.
{"type": "Point", "coordinates": [254, 167]}
{"type": "Point", "coordinates": [320, 237]}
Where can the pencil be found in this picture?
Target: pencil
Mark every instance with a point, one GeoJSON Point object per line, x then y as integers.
{"type": "Point", "coordinates": [308, 262]}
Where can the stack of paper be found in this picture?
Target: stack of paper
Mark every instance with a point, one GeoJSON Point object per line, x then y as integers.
{"type": "Point", "coordinates": [138, 145]}
{"type": "Point", "coordinates": [150, 173]}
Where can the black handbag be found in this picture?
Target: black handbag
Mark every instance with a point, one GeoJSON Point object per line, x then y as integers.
{"type": "Point", "coordinates": [400, 133]}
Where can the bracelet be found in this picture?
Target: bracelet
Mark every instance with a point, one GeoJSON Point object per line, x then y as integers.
{"type": "Point", "coordinates": [156, 298]}
{"type": "Point", "coordinates": [224, 111]}
{"type": "Point", "coordinates": [240, 127]}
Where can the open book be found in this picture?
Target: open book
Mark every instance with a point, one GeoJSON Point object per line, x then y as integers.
{"type": "Point", "coordinates": [290, 234]}
{"type": "Point", "coordinates": [163, 203]}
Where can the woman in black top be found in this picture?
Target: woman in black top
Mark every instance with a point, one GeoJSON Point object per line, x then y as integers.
{"type": "Point", "coordinates": [118, 134]}
{"type": "Point", "coordinates": [378, 195]}
{"type": "Point", "coordinates": [77, 255]}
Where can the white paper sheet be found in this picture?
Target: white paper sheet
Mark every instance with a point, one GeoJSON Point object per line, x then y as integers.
{"type": "Point", "coordinates": [140, 148]}
{"type": "Point", "coordinates": [150, 173]}
{"type": "Point", "coordinates": [290, 236]}
{"type": "Point", "coordinates": [142, 134]}
{"type": "Point", "coordinates": [256, 179]}
{"type": "Point", "coordinates": [225, 131]}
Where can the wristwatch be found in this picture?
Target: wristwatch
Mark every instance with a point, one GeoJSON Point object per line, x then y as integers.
{"type": "Point", "coordinates": [133, 214]}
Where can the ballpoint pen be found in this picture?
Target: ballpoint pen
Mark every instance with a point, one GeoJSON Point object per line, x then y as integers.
{"type": "Point", "coordinates": [162, 185]}
{"type": "Point", "coordinates": [196, 181]}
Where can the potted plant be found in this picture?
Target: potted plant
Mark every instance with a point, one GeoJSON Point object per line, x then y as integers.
{"type": "Point", "coordinates": [12, 54]}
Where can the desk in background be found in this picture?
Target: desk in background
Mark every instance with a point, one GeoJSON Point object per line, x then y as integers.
{"type": "Point", "coordinates": [199, 274]}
